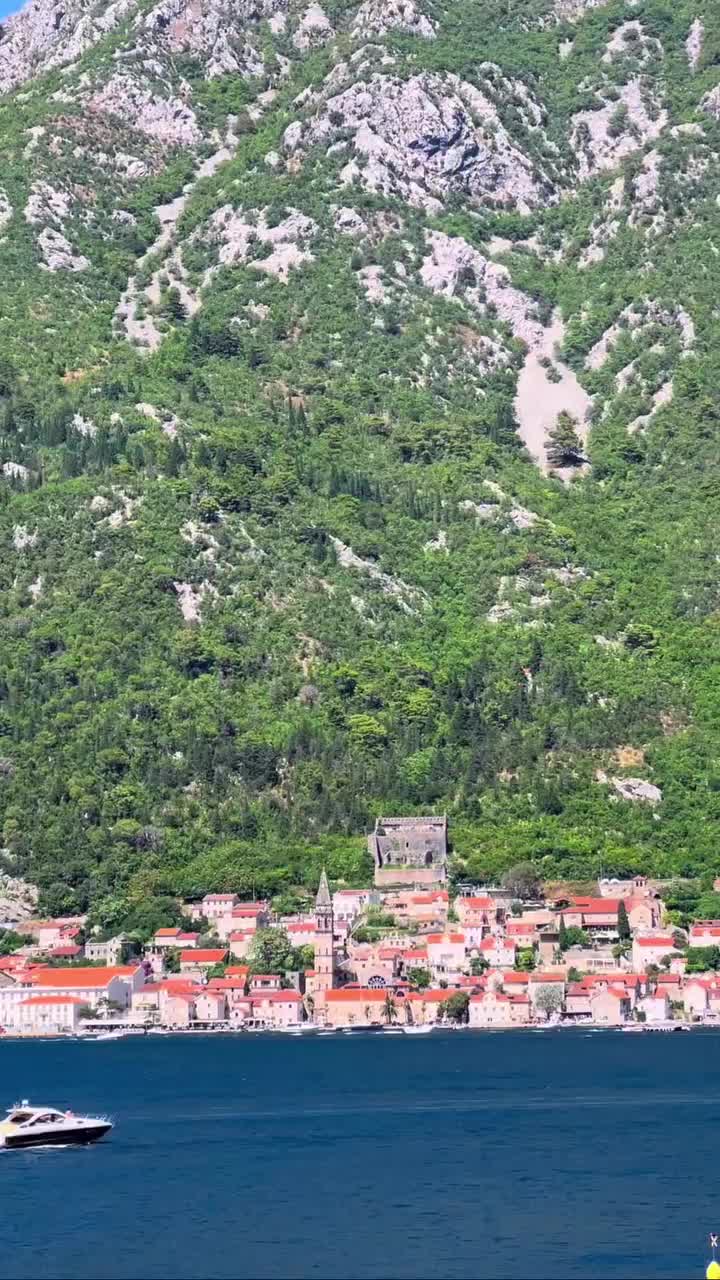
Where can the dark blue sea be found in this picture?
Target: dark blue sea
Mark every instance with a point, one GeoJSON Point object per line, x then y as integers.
{"type": "Point", "coordinates": [590, 1155]}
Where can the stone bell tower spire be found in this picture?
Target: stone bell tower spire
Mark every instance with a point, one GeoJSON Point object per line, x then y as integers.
{"type": "Point", "coordinates": [324, 966]}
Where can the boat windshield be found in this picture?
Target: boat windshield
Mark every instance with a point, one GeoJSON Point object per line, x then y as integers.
{"type": "Point", "coordinates": [20, 1117]}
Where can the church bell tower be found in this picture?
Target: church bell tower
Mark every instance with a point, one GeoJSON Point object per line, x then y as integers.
{"type": "Point", "coordinates": [324, 966]}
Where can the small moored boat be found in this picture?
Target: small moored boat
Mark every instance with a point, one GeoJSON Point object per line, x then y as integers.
{"type": "Point", "coordinates": [27, 1126]}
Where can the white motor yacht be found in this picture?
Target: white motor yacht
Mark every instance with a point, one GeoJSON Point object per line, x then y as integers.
{"type": "Point", "coordinates": [418, 1029]}
{"type": "Point", "coordinates": [29, 1126]}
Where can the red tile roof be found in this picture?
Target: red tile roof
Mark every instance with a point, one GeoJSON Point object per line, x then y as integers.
{"type": "Point", "coordinates": [339, 994]}
{"type": "Point", "coordinates": [203, 955]}
{"type": "Point", "coordinates": [476, 904]}
{"type": "Point", "coordinates": [595, 906]}
{"type": "Point", "coordinates": [52, 1000]}
{"type": "Point", "coordinates": [277, 997]}
{"type": "Point", "coordinates": [81, 977]}
{"type": "Point", "coordinates": [663, 940]}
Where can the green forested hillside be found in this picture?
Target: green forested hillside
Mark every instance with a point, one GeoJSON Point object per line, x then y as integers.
{"type": "Point", "coordinates": [278, 550]}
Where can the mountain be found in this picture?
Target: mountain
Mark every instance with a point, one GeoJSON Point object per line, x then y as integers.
{"type": "Point", "coordinates": [359, 439]}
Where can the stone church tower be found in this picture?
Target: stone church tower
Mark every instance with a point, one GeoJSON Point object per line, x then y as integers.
{"type": "Point", "coordinates": [324, 964]}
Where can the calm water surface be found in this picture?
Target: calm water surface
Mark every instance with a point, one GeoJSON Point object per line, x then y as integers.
{"type": "Point", "coordinates": [573, 1154]}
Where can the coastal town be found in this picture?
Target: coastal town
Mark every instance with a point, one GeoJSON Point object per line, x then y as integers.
{"type": "Point", "coordinates": [407, 953]}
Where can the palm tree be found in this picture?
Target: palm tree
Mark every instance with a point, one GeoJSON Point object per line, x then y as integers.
{"type": "Point", "coordinates": [389, 1008]}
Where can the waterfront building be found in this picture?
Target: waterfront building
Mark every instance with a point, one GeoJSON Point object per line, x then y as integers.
{"type": "Point", "coordinates": [497, 1009]}
{"type": "Point", "coordinates": [423, 1007]}
{"type": "Point", "coordinates": [323, 972]}
{"type": "Point", "coordinates": [94, 987]}
{"type": "Point", "coordinates": [609, 1005]}
{"type": "Point", "coordinates": [355, 1006]}
{"type": "Point", "coordinates": [48, 1014]}
{"type": "Point", "coordinates": [211, 1006]}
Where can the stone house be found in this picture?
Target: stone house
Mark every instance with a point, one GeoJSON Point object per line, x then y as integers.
{"type": "Point", "coordinates": [240, 942]}
{"type": "Point", "coordinates": [499, 952]}
{"type": "Point", "coordinates": [47, 1015]}
{"type": "Point", "coordinates": [197, 961]}
{"type": "Point", "coordinates": [497, 1009]}
{"type": "Point", "coordinates": [423, 1007]}
{"type": "Point", "coordinates": [704, 933]}
{"type": "Point", "coordinates": [651, 949]}
{"type": "Point", "coordinates": [609, 1005]}
{"type": "Point", "coordinates": [478, 910]}
{"type": "Point", "coordinates": [656, 1007]}
{"type": "Point", "coordinates": [409, 850]}
{"type": "Point", "coordinates": [356, 1006]}
{"type": "Point", "coordinates": [178, 1009]}
{"type": "Point", "coordinates": [446, 953]}
{"type": "Point", "coordinates": [211, 1006]}
{"type": "Point", "coordinates": [577, 1001]}
{"type": "Point", "coordinates": [277, 1008]}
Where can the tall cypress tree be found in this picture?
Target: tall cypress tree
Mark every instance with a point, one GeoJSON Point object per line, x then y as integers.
{"type": "Point", "coordinates": [623, 924]}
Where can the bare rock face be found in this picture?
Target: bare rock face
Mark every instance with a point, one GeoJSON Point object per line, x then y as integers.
{"type": "Point", "coordinates": [168, 120]}
{"type": "Point", "coordinates": [18, 898]}
{"type": "Point", "coordinates": [6, 211]}
{"type": "Point", "coordinates": [637, 790]}
{"type": "Point", "coordinates": [424, 139]}
{"type": "Point", "coordinates": [694, 44]}
{"type": "Point", "coordinates": [377, 17]}
{"type": "Point", "coordinates": [214, 31]}
{"type": "Point", "coordinates": [711, 103]}
{"type": "Point", "coordinates": [58, 253]}
{"type": "Point", "coordinates": [53, 33]}
{"type": "Point", "coordinates": [602, 137]}
{"type": "Point", "coordinates": [236, 232]}
{"type": "Point", "coordinates": [314, 29]}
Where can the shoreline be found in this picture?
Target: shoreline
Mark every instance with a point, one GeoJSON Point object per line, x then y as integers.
{"type": "Point", "coordinates": [313, 1032]}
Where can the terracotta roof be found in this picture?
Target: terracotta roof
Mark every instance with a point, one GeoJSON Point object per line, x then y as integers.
{"type": "Point", "coordinates": [52, 1000]}
{"type": "Point", "coordinates": [438, 938]}
{"type": "Point", "coordinates": [277, 997]}
{"type": "Point", "coordinates": [338, 994]}
{"type": "Point", "coordinates": [167, 933]}
{"type": "Point", "coordinates": [237, 970]}
{"type": "Point", "coordinates": [662, 941]}
{"type": "Point", "coordinates": [203, 955]}
{"type": "Point", "coordinates": [434, 996]}
{"type": "Point", "coordinates": [595, 906]}
{"type": "Point", "coordinates": [81, 977]}
{"type": "Point", "coordinates": [477, 904]}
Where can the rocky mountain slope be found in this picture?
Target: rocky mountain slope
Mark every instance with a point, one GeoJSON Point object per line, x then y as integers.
{"type": "Point", "coordinates": [293, 297]}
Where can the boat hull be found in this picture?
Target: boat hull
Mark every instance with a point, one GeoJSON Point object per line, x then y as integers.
{"type": "Point", "coordinates": [75, 1137]}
